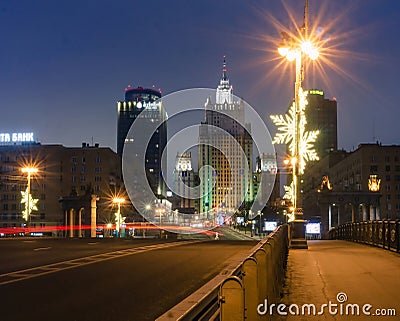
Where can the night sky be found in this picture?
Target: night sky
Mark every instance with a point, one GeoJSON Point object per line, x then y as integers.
{"type": "Point", "coordinates": [64, 64]}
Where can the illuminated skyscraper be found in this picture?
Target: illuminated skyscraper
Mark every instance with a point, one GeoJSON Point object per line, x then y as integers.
{"type": "Point", "coordinates": [232, 180]}
{"type": "Point", "coordinates": [141, 103]}
{"type": "Point", "coordinates": [130, 108]}
{"type": "Point", "coordinates": [321, 114]}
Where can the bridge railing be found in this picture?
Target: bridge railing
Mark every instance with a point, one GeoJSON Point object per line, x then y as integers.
{"type": "Point", "coordinates": [237, 294]}
{"type": "Point", "coordinates": [383, 233]}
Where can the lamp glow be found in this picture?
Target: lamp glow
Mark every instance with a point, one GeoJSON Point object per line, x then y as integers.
{"type": "Point", "coordinates": [307, 47]}
{"type": "Point", "coordinates": [291, 55]}
{"type": "Point", "coordinates": [314, 54]}
{"type": "Point", "coordinates": [283, 51]}
{"type": "Point", "coordinates": [29, 170]}
{"type": "Point", "coordinates": [118, 200]}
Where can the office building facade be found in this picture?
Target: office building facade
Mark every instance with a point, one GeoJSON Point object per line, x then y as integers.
{"type": "Point", "coordinates": [321, 114]}
{"type": "Point", "coordinates": [350, 174]}
{"type": "Point", "coordinates": [62, 171]}
{"type": "Point", "coordinates": [141, 103]}
{"type": "Point", "coordinates": [225, 184]}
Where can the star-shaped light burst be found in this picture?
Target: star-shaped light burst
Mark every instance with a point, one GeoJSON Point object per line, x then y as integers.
{"type": "Point", "coordinates": [287, 131]}
{"type": "Point", "coordinates": [27, 198]}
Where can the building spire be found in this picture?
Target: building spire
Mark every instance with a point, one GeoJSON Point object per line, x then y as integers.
{"type": "Point", "coordinates": [224, 90]}
{"type": "Point", "coordinates": [224, 69]}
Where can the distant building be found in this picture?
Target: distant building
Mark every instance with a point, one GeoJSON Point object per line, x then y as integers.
{"type": "Point", "coordinates": [266, 178]}
{"type": "Point", "coordinates": [321, 114]}
{"type": "Point", "coordinates": [141, 103]}
{"type": "Point", "coordinates": [349, 174]}
{"type": "Point", "coordinates": [232, 183]}
{"type": "Point", "coordinates": [62, 171]}
{"type": "Point", "coordinates": [185, 199]}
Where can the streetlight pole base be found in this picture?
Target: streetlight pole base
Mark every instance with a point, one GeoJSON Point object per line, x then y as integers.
{"type": "Point", "coordinates": [298, 232]}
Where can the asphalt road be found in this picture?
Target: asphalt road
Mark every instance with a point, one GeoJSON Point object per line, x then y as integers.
{"type": "Point", "coordinates": [23, 253]}
{"type": "Point", "coordinates": [137, 283]}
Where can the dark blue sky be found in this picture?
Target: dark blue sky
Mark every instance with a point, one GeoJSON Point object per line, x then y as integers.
{"type": "Point", "coordinates": [64, 64]}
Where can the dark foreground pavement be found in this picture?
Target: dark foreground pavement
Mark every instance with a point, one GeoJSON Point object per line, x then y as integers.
{"type": "Point", "coordinates": [135, 287]}
{"type": "Point", "coordinates": [347, 274]}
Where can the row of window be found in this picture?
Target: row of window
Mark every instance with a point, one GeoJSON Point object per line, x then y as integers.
{"type": "Point", "coordinates": [20, 207]}
{"type": "Point", "coordinates": [374, 159]}
{"type": "Point", "coordinates": [84, 188]}
{"type": "Point", "coordinates": [83, 179]}
{"type": "Point", "coordinates": [14, 197]}
{"type": "Point", "coordinates": [18, 216]}
{"type": "Point", "coordinates": [388, 168]}
{"type": "Point", "coordinates": [16, 158]}
{"type": "Point", "coordinates": [74, 160]}
{"type": "Point", "coordinates": [15, 187]}
{"type": "Point", "coordinates": [397, 187]}
{"type": "Point", "coordinates": [395, 177]}
{"type": "Point", "coordinates": [389, 207]}
{"type": "Point", "coordinates": [389, 197]}
{"type": "Point", "coordinates": [97, 170]}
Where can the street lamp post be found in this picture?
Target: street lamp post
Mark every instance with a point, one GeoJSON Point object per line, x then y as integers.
{"type": "Point", "coordinates": [292, 126]}
{"type": "Point", "coordinates": [160, 212]}
{"type": "Point", "coordinates": [29, 171]}
{"type": "Point", "coordinates": [296, 49]}
{"type": "Point", "coordinates": [118, 201]}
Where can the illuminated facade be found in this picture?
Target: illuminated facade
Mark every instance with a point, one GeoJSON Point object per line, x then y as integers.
{"type": "Point", "coordinates": [62, 171]}
{"type": "Point", "coordinates": [233, 183]}
{"type": "Point", "coordinates": [140, 103]}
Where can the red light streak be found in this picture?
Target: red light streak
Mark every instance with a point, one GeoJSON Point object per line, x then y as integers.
{"type": "Point", "coordinates": [136, 226]}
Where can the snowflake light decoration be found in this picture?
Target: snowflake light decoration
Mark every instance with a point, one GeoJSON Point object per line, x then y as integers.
{"type": "Point", "coordinates": [27, 198]}
{"type": "Point", "coordinates": [286, 128]}
{"type": "Point", "coordinates": [119, 220]}
{"type": "Point", "coordinates": [287, 132]}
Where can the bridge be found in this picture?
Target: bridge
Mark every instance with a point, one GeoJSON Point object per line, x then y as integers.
{"type": "Point", "coordinates": [354, 278]}
{"type": "Point", "coordinates": [89, 279]}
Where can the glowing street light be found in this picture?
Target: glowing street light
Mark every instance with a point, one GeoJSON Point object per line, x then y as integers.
{"type": "Point", "coordinates": [291, 127]}
{"type": "Point", "coordinates": [30, 204]}
{"type": "Point", "coordinates": [118, 218]}
{"type": "Point", "coordinates": [160, 211]}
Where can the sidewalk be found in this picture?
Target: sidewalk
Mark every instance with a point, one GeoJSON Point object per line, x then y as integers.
{"type": "Point", "coordinates": [344, 273]}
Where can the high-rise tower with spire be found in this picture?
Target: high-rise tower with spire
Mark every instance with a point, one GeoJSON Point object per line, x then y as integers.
{"type": "Point", "coordinates": [224, 89]}
{"type": "Point", "coordinates": [225, 164]}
